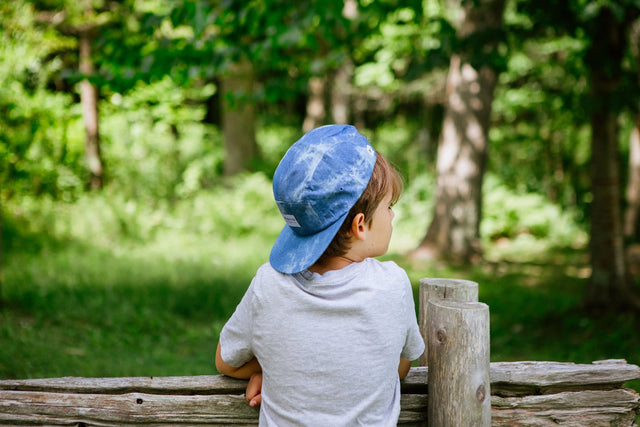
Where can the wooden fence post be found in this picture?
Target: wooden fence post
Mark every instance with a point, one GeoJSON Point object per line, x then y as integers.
{"type": "Point", "coordinates": [431, 288]}
{"type": "Point", "coordinates": [459, 391]}
{"type": "Point", "coordinates": [455, 328]}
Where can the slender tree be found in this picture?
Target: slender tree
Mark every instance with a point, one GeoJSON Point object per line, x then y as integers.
{"type": "Point", "coordinates": [632, 213]}
{"type": "Point", "coordinates": [316, 111]}
{"type": "Point", "coordinates": [329, 86]}
{"type": "Point", "coordinates": [89, 101]}
{"type": "Point", "coordinates": [343, 75]}
{"type": "Point", "coordinates": [341, 93]}
{"type": "Point", "coordinates": [454, 231]}
{"type": "Point", "coordinates": [83, 21]}
{"type": "Point", "coordinates": [238, 117]}
{"type": "Point", "coordinates": [609, 285]}
{"type": "Point", "coordinates": [1, 255]}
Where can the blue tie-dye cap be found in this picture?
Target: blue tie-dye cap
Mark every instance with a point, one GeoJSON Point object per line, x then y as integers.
{"type": "Point", "coordinates": [317, 182]}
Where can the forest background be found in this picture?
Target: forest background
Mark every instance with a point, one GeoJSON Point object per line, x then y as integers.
{"type": "Point", "coordinates": [138, 139]}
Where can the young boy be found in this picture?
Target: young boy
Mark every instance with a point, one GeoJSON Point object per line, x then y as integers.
{"type": "Point", "coordinates": [325, 332]}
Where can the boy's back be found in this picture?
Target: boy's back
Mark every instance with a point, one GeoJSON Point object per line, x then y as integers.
{"type": "Point", "coordinates": [328, 344]}
{"type": "Point", "coordinates": [325, 332]}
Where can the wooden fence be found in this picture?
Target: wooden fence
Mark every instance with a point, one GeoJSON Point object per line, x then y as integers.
{"type": "Point", "coordinates": [467, 390]}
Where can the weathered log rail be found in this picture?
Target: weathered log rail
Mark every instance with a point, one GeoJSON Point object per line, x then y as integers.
{"type": "Point", "coordinates": [524, 394]}
{"type": "Point", "coordinates": [499, 393]}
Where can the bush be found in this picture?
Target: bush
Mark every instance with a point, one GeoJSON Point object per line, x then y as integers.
{"type": "Point", "coordinates": [155, 143]}
{"type": "Point", "coordinates": [528, 221]}
{"type": "Point", "coordinates": [243, 206]}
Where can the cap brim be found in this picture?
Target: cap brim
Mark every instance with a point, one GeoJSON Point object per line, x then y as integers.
{"type": "Point", "coordinates": [292, 253]}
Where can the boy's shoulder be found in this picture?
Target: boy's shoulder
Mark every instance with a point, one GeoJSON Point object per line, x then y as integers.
{"type": "Point", "coordinates": [267, 272]}
{"type": "Point", "coordinates": [266, 268]}
{"type": "Point", "coordinates": [389, 267]}
{"type": "Point", "coordinates": [374, 270]}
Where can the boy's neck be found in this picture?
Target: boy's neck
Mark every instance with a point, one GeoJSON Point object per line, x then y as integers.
{"type": "Point", "coordinates": [333, 263]}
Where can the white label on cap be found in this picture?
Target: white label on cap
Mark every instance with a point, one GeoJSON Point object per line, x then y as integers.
{"type": "Point", "coordinates": [291, 220]}
{"type": "Point", "coordinates": [370, 150]}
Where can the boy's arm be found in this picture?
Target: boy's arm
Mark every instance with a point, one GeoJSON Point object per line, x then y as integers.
{"type": "Point", "coordinates": [243, 372]}
{"type": "Point", "coordinates": [403, 368]}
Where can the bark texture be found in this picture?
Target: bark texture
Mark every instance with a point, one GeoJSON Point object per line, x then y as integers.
{"type": "Point", "coordinates": [522, 394]}
{"type": "Point", "coordinates": [89, 101]}
{"type": "Point", "coordinates": [632, 214]}
{"type": "Point", "coordinates": [454, 231]}
{"type": "Point", "coordinates": [238, 118]}
{"type": "Point", "coordinates": [316, 111]}
{"type": "Point", "coordinates": [609, 286]}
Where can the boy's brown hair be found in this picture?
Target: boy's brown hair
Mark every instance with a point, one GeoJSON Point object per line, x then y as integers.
{"type": "Point", "coordinates": [384, 178]}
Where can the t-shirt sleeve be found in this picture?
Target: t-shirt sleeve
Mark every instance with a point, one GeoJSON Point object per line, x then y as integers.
{"type": "Point", "coordinates": [235, 338]}
{"type": "Point", "coordinates": [414, 344]}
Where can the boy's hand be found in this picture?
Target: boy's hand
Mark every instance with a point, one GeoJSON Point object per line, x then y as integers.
{"type": "Point", "coordinates": [254, 389]}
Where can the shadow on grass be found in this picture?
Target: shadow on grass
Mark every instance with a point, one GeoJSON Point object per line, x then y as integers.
{"type": "Point", "coordinates": [71, 309]}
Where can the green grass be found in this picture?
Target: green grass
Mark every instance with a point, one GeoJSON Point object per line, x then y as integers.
{"type": "Point", "coordinates": [85, 311]}
{"type": "Point", "coordinates": [116, 303]}
{"type": "Point", "coordinates": [155, 310]}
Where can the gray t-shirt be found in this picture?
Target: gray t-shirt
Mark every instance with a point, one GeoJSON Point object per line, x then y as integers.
{"type": "Point", "coordinates": [329, 345]}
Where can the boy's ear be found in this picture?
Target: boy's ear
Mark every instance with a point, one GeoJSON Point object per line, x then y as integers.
{"type": "Point", "coordinates": [359, 227]}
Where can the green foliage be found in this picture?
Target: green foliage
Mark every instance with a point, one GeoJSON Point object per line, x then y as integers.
{"type": "Point", "coordinates": [525, 225]}
{"type": "Point", "coordinates": [399, 141]}
{"type": "Point", "coordinates": [412, 214]}
{"type": "Point", "coordinates": [406, 43]}
{"type": "Point", "coordinates": [155, 143]}
{"type": "Point", "coordinates": [393, 46]}
{"type": "Point", "coordinates": [544, 100]}
{"type": "Point", "coordinates": [243, 206]}
{"type": "Point", "coordinates": [37, 153]}
{"type": "Point", "coordinates": [540, 120]}
{"type": "Point", "coordinates": [274, 139]}
{"type": "Point", "coordinates": [155, 62]}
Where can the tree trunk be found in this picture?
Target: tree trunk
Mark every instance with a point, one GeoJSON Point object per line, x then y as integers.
{"type": "Point", "coordinates": [1, 255]}
{"type": "Point", "coordinates": [454, 231]}
{"type": "Point", "coordinates": [315, 104]}
{"type": "Point", "coordinates": [341, 85]}
{"type": "Point", "coordinates": [89, 101]}
{"type": "Point", "coordinates": [238, 118]}
{"type": "Point", "coordinates": [213, 114]}
{"type": "Point", "coordinates": [607, 250]}
{"type": "Point", "coordinates": [609, 286]}
{"type": "Point", "coordinates": [341, 94]}
{"type": "Point", "coordinates": [632, 214]}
